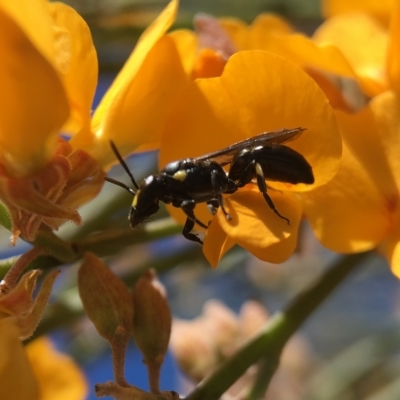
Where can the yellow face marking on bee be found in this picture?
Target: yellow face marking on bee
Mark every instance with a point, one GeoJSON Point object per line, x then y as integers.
{"type": "Point", "coordinates": [180, 175]}
{"type": "Point", "coordinates": [135, 199]}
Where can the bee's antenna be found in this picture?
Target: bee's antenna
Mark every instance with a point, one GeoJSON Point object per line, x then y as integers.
{"type": "Point", "coordinates": [120, 184]}
{"type": "Point", "coordinates": [125, 167]}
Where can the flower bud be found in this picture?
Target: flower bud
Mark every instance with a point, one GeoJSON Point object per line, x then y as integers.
{"type": "Point", "coordinates": [106, 299]}
{"type": "Point", "coordinates": [152, 320]}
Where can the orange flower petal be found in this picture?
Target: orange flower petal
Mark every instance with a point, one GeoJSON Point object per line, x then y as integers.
{"type": "Point", "coordinates": [374, 137]}
{"type": "Point", "coordinates": [34, 104]}
{"type": "Point", "coordinates": [264, 28]}
{"type": "Point", "coordinates": [353, 212]}
{"type": "Point", "coordinates": [146, 42]}
{"type": "Point", "coordinates": [79, 67]}
{"type": "Point", "coordinates": [237, 31]}
{"type": "Point", "coordinates": [379, 9]}
{"type": "Point", "coordinates": [301, 50]}
{"type": "Point", "coordinates": [35, 23]}
{"type": "Point", "coordinates": [186, 45]}
{"type": "Point", "coordinates": [363, 42]}
{"type": "Point", "coordinates": [58, 375]}
{"type": "Point", "coordinates": [216, 243]}
{"type": "Point", "coordinates": [16, 374]}
{"type": "Point", "coordinates": [137, 119]}
{"type": "Point", "coordinates": [393, 61]}
{"type": "Point", "coordinates": [257, 35]}
{"type": "Point", "coordinates": [209, 63]}
{"type": "Point", "coordinates": [291, 99]}
{"type": "Point", "coordinates": [255, 227]}
{"type": "Point", "coordinates": [133, 111]}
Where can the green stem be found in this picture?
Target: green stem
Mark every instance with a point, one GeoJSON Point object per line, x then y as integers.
{"type": "Point", "coordinates": [266, 370]}
{"type": "Point", "coordinates": [110, 242]}
{"type": "Point", "coordinates": [268, 344]}
{"type": "Point", "coordinates": [103, 244]}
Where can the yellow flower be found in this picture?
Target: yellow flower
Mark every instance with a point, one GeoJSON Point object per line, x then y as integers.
{"type": "Point", "coordinates": [20, 313]}
{"type": "Point", "coordinates": [16, 376]}
{"type": "Point", "coordinates": [358, 209]}
{"type": "Point", "coordinates": [372, 49]}
{"type": "Point", "coordinates": [133, 111]}
{"type": "Point", "coordinates": [44, 178]}
{"type": "Point", "coordinates": [324, 62]}
{"type": "Point", "coordinates": [257, 92]}
{"type": "Point", "coordinates": [363, 198]}
{"type": "Point", "coordinates": [36, 372]}
{"type": "Point", "coordinates": [379, 9]}
{"type": "Point", "coordinates": [347, 53]}
{"type": "Point", "coordinates": [48, 75]}
{"type": "Point", "coordinates": [57, 375]}
{"type": "Point", "coordinates": [171, 114]}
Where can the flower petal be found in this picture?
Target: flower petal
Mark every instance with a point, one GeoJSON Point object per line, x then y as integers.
{"type": "Point", "coordinates": [301, 50]}
{"type": "Point", "coordinates": [14, 365]}
{"type": "Point", "coordinates": [136, 119]}
{"type": "Point", "coordinates": [58, 375]}
{"type": "Point", "coordinates": [393, 61]}
{"type": "Point", "coordinates": [353, 212]}
{"type": "Point", "coordinates": [264, 28]}
{"type": "Point", "coordinates": [186, 45]}
{"type": "Point", "coordinates": [209, 63]}
{"type": "Point", "coordinates": [146, 42]}
{"type": "Point", "coordinates": [237, 30]}
{"type": "Point", "coordinates": [363, 42]}
{"type": "Point", "coordinates": [255, 227]}
{"type": "Point", "coordinates": [258, 35]}
{"type": "Point", "coordinates": [379, 9]}
{"type": "Point", "coordinates": [35, 23]}
{"type": "Point", "coordinates": [379, 145]}
{"type": "Point", "coordinates": [216, 243]}
{"type": "Point", "coordinates": [79, 67]}
{"type": "Point", "coordinates": [33, 102]}
{"type": "Point", "coordinates": [133, 111]}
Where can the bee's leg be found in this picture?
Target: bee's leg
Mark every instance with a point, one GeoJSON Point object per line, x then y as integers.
{"type": "Point", "coordinates": [217, 180]}
{"type": "Point", "coordinates": [212, 206]}
{"type": "Point", "coordinates": [188, 208]}
{"type": "Point", "coordinates": [263, 189]}
{"type": "Point", "coordinates": [186, 232]}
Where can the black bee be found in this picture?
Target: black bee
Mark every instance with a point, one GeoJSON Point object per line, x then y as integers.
{"type": "Point", "coordinates": [185, 183]}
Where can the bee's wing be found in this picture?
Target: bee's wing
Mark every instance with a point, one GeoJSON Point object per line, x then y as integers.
{"type": "Point", "coordinates": [224, 156]}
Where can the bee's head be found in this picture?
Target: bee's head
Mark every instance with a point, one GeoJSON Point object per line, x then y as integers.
{"type": "Point", "coordinates": [145, 202]}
